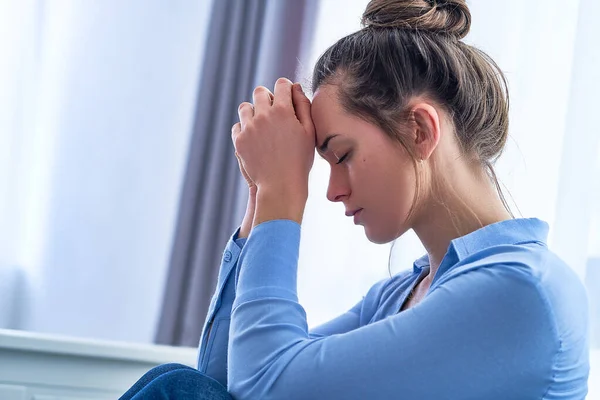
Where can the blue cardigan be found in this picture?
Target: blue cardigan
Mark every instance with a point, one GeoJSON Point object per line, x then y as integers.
{"type": "Point", "coordinates": [504, 318]}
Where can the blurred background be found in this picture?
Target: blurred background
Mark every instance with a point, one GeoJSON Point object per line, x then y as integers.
{"type": "Point", "coordinates": [118, 184]}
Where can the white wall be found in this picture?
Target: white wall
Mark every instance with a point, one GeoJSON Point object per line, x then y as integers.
{"type": "Point", "coordinates": [103, 146]}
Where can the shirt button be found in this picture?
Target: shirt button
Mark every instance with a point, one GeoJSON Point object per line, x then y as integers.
{"type": "Point", "coordinates": [227, 257]}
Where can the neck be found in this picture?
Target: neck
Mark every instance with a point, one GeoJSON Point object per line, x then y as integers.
{"type": "Point", "coordinates": [470, 202]}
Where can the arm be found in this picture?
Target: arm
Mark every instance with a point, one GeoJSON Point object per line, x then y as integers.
{"type": "Point", "coordinates": [341, 324]}
{"type": "Point", "coordinates": [213, 345]}
{"type": "Point", "coordinates": [212, 355]}
{"type": "Point", "coordinates": [471, 338]}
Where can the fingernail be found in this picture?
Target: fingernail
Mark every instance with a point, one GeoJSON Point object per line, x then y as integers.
{"type": "Point", "coordinates": [299, 87]}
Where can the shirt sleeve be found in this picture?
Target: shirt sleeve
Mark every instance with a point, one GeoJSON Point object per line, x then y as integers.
{"type": "Point", "coordinates": [212, 354]}
{"type": "Point", "coordinates": [346, 322]}
{"type": "Point", "coordinates": [483, 334]}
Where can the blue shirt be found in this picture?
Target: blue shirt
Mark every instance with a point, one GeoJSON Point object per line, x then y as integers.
{"type": "Point", "coordinates": [504, 318]}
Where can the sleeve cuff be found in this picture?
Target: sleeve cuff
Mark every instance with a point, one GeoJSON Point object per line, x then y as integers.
{"type": "Point", "coordinates": [228, 260]}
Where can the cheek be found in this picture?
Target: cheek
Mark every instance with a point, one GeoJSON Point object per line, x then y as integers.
{"type": "Point", "coordinates": [364, 178]}
{"type": "Point", "coordinates": [391, 190]}
{"type": "Point", "coordinates": [387, 182]}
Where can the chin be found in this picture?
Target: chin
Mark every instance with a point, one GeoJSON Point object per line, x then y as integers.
{"type": "Point", "coordinates": [383, 236]}
{"type": "Point", "coordinates": [378, 237]}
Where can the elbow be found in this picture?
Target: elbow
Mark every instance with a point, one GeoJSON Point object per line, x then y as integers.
{"type": "Point", "coordinates": [251, 387]}
{"type": "Point", "coordinates": [248, 391]}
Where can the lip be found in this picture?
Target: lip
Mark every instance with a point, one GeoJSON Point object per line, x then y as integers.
{"type": "Point", "coordinates": [353, 212]}
{"type": "Point", "coordinates": [357, 215]}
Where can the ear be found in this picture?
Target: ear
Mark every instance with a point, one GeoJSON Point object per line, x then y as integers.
{"type": "Point", "coordinates": [426, 125]}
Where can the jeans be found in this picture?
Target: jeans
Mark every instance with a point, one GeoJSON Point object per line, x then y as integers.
{"type": "Point", "coordinates": [176, 382]}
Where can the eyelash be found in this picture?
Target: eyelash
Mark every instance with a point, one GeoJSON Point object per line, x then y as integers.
{"type": "Point", "coordinates": [343, 158]}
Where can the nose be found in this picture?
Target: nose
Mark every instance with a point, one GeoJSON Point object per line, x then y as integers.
{"type": "Point", "coordinates": [338, 188]}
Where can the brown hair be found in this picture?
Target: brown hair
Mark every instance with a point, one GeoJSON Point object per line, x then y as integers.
{"type": "Point", "coordinates": [413, 47]}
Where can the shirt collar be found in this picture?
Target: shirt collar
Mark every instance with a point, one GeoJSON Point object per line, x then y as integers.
{"type": "Point", "coordinates": [511, 231]}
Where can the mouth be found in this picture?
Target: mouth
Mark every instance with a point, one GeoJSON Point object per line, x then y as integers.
{"type": "Point", "coordinates": [351, 213]}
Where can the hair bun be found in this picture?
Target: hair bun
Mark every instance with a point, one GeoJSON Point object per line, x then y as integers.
{"type": "Point", "coordinates": [447, 17]}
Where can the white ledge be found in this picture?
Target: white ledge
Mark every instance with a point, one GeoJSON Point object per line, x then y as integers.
{"type": "Point", "coordinates": [90, 348]}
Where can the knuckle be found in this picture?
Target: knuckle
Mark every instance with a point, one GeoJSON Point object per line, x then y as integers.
{"type": "Point", "coordinates": [259, 119]}
{"type": "Point", "coordinates": [237, 142]}
{"type": "Point", "coordinates": [236, 128]}
{"type": "Point", "coordinates": [280, 108]}
{"type": "Point", "coordinates": [244, 105]}
{"type": "Point", "coordinates": [260, 89]}
{"type": "Point", "coordinates": [250, 128]}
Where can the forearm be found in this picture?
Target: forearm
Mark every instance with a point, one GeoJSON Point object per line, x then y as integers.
{"type": "Point", "coordinates": [213, 354]}
{"type": "Point", "coordinates": [212, 358]}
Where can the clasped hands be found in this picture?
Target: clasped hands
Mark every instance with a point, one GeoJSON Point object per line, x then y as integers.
{"type": "Point", "coordinates": [275, 145]}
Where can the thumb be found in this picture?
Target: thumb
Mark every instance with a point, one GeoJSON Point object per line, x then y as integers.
{"type": "Point", "coordinates": [302, 107]}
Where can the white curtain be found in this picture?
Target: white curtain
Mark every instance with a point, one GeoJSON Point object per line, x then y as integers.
{"type": "Point", "coordinates": [550, 52]}
{"type": "Point", "coordinates": [96, 111]}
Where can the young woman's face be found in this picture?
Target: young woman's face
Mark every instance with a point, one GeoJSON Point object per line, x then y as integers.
{"type": "Point", "coordinates": [370, 172]}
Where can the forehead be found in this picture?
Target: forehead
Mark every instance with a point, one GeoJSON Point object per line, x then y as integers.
{"type": "Point", "coordinates": [328, 115]}
{"type": "Point", "coordinates": [324, 102]}
{"type": "Point", "coordinates": [330, 118]}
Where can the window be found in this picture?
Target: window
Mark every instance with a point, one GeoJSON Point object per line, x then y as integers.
{"type": "Point", "coordinates": [101, 98]}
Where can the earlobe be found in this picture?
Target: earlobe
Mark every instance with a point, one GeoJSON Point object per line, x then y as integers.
{"type": "Point", "coordinates": [427, 129]}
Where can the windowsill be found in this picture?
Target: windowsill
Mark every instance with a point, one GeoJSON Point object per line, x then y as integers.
{"type": "Point", "coordinates": [117, 351]}
{"type": "Point", "coordinates": [55, 367]}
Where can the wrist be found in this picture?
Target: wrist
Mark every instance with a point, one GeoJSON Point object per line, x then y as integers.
{"type": "Point", "coordinates": [280, 203]}
{"type": "Point", "coordinates": [246, 226]}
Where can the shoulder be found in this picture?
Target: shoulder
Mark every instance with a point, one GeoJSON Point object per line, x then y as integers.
{"type": "Point", "coordinates": [530, 277]}
{"type": "Point", "coordinates": [525, 298]}
{"type": "Point", "coordinates": [532, 264]}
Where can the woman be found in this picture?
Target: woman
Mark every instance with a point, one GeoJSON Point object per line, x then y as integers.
{"type": "Point", "coordinates": [411, 120]}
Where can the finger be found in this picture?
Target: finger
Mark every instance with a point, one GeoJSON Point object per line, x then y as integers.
{"type": "Point", "coordinates": [243, 170]}
{"type": "Point", "coordinates": [302, 108]}
{"type": "Point", "coordinates": [283, 92]}
{"type": "Point", "coordinates": [236, 129]}
{"type": "Point", "coordinates": [262, 98]}
{"type": "Point", "coordinates": [245, 112]}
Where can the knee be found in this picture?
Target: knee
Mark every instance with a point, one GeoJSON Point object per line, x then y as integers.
{"type": "Point", "coordinates": [183, 383]}
{"type": "Point", "coordinates": [164, 368]}
{"type": "Point", "coordinates": [152, 375]}
{"type": "Point", "coordinates": [173, 366]}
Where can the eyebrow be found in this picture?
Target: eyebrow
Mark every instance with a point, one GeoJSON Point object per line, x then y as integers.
{"type": "Point", "coordinates": [323, 147]}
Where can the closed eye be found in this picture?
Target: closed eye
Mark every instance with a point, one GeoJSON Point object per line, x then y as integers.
{"type": "Point", "coordinates": [343, 158]}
